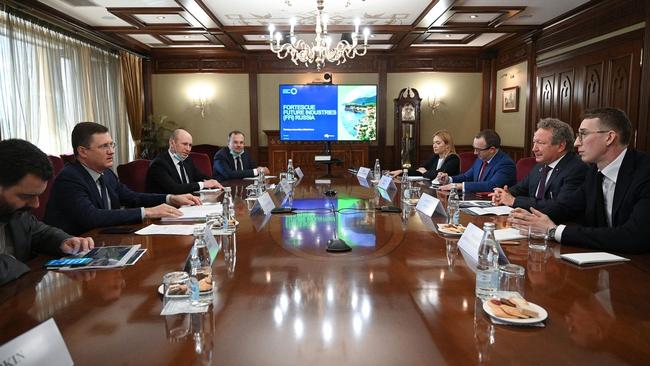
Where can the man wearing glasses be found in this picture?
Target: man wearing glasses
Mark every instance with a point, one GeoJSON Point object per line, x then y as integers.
{"type": "Point", "coordinates": [493, 168]}
{"type": "Point", "coordinates": [87, 194]}
{"type": "Point", "coordinates": [558, 173]}
{"type": "Point", "coordinates": [612, 207]}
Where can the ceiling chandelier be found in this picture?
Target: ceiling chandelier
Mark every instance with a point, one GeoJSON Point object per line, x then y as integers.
{"type": "Point", "coordinates": [321, 50]}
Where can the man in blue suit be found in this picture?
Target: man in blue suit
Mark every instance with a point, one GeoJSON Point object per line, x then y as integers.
{"type": "Point", "coordinates": [493, 168]}
{"type": "Point", "coordinates": [87, 194]}
{"type": "Point", "coordinates": [559, 171]}
{"type": "Point", "coordinates": [233, 162]}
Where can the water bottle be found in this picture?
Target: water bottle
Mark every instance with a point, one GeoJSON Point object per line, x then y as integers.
{"type": "Point", "coordinates": [405, 184]}
{"type": "Point", "coordinates": [200, 264]}
{"type": "Point", "coordinates": [453, 206]}
{"type": "Point", "coordinates": [487, 270]}
{"type": "Point", "coordinates": [377, 170]}
{"type": "Point", "coordinates": [227, 207]}
{"type": "Point", "coordinates": [290, 171]}
{"type": "Point", "coordinates": [193, 284]}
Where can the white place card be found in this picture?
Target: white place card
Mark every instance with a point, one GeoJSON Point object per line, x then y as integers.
{"type": "Point", "coordinates": [322, 158]}
{"type": "Point", "coordinates": [386, 183]}
{"type": "Point", "coordinates": [299, 173]}
{"type": "Point", "coordinates": [210, 242]}
{"type": "Point", "coordinates": [429, 205]}
{"type": "Point", "coordinates": [470, 241]}
{"type": "Point", "coordinates": [266, 202]}
{"type": "Point", "coordinates": [41, 345]}
{"type": "Point", "coordinates": [363, 172]}
{"type": "Point", "coordinates": [323, 181]}
{"type": "Point", "coordinates": [363, 182]}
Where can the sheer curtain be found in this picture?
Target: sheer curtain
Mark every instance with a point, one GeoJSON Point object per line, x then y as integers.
{"type": "Point", "coordinates": [49, 82]}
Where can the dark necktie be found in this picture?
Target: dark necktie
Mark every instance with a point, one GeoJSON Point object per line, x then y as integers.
{"type": "Point", "coordinates": [183, 176]}
{"type": "Point", "coordinates": [601, 216]}
{"type": "Point", "coordinates": [483, 168]}
{"type": "Point", "coordinates": [238, 163]}
{"type": "Point", "coordinates": [542, 182]}
{"type": "Point", "coordinates": [104, 193]}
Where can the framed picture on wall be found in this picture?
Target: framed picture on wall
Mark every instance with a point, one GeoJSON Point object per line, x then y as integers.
{"type": "Point", "coordinates": [510, 99]}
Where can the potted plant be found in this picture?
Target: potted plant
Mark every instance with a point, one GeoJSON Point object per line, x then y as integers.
{"type": "Point", "coordinates": [155, 134]}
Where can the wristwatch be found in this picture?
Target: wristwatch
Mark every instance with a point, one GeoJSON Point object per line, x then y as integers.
{"type": "Point", "coordinates": [551, 233]}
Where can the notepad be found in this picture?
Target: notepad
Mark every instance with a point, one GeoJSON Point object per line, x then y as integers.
{"type": "Point", "coordinates": [498, 210]}
{"type": "Point", "coordinates": [593, 258]}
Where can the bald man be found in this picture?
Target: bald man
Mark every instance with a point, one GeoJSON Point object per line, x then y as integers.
{"type": "Point", "coordinates": [173, 170]}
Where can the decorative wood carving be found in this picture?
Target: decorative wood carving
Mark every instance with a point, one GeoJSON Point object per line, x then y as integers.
{"type": "Point", "coordinates": [619, 82]}
{"type": "Point", "coordinates": [565, 97]}
{"type": "Point", "coordinates": [593, 85]}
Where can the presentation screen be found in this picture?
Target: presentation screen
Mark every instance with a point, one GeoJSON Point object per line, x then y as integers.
{"type": "Point", "coordinates": [328, 112]}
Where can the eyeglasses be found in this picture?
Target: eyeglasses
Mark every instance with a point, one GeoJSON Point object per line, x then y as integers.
{"type": "Point", "coordinates": [479, 149]}
{"type": "Point", "coordinates": [106, 147]}
{"type": "Point", "coordinates": [582, 133]}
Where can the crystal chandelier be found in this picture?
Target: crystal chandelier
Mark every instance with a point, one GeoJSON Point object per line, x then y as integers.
{"type": "Point", "coordinates": [321, 50]}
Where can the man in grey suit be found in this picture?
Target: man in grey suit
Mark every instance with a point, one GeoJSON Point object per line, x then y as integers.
{"type": "Point", "coordinates": [25, 172]}
{"type": "Point", "coordinates": [558, 173]}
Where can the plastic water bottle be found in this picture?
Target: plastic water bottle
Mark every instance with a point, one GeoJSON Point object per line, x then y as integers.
{"type": "Point", "coordinates": [227, 207]}
{"type": "Point", "coordinates": [290, 171]}
{"type": "Point", "coordinates": [453, 207]}
{"type": "Point", "coordinates": [406, 184]}
{"type": "Point", "coordinates": [200, 265]}
{"type": "Point", "coordinates": [487, 270]}
{"type": "Point", "coordinates": [377, 170]}
{"type": "Point", "coordinates": [193, 285]}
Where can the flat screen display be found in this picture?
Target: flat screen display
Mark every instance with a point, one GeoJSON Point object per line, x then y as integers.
{"type": "Point", "coordinates": [328, 112]}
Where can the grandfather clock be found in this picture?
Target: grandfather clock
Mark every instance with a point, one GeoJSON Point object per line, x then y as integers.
{"type": "Point", "coordinates": [407, 127]}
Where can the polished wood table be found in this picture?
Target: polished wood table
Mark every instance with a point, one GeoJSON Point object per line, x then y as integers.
{"type": "Point", "coordinates": [403, 296]}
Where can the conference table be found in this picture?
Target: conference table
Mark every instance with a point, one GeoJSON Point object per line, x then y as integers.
{"type": "Point", "coordinates": [404, 295]}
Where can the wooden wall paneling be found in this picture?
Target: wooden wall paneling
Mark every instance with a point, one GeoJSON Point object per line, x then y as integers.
{"type": "Point", "coordinates": [530, 124]}
{"type": "Point", "coordinates": [643, 135]}
{"type": "Point", "coordinates": [546, 95]}
{"type": "Point", "coordinates": [565, 100]}
{"type": "Point", "coordinates": [253, 108]}
{"type": "Point", "coordinates": [488, 100]}
{"type": "Point", "coordinates": [592, 85]}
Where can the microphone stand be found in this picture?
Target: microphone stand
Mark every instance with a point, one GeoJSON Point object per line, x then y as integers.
{"type": "Point", "coordinates": [337, 245]}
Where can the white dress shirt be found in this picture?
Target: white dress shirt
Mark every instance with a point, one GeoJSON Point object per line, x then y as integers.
{"type": "Point", "coordinates": [176, 160]}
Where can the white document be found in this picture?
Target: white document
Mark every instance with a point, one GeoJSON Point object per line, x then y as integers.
{"type": "Point", "coordinates": [497, 210]}
{"type": "Point", "coordinates": [182, 306]}
{"type": "Point", "coordinates": [195, 213]}
{"type": "Point", "coordinates": [429, 205]}
{"type": "Point", "coordinates": [386, 183]}
{"type": "Point", "coordinates": [208, 190]}
{"type": "Point", "coordinates": [508, 234]}
{"type": "Point", "coordinates": [41, 345]}
{"type": "Point", "coordinates": [266, 202]}
{"type": "Point", "coordinates": [593, 258]}
{"type": "Point", "coordinates": [166, 230]}
{"type": "Point", "coordinates": [299, 173]}
{"type": "Point", "coordinates": [416, 178]}
{"type": "Point", "coordinates": [470, 241]}
{"type": "Point", "coordinates": [363, 172]}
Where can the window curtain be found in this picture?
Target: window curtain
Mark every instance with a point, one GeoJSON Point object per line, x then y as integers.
{"type": "Point", "coordinates": [49, 82]}
{"type": "Point", "coordinates": [132, 79]}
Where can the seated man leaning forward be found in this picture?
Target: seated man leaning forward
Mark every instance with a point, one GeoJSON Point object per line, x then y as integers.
{"type": "Point", "coordinates": [493, 168]}
{"type": "Point", "coordinates": [25, 172]}
{"type": "Point", "coordinates": [87, 194]}
{"type": "Point", "coordinates": [173, 171]}
{"type": "Point", "coordinates": [233, 162]}
{"type": "Point", "coordinates": [612, 206]}
{"type": "Point", "coordinates": [558, 172]}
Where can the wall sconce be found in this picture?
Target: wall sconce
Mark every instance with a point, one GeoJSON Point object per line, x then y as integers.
{"type": "Point", "coordinates": [434, 103]}
{"type": "Point", "coordinates": [509, 75]}
{"type": "Point", "coordinates": [200, 96]}
{"type": "Point", "coordinates": [434, 94]}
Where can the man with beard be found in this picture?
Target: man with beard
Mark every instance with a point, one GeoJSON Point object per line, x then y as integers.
{"type": "Point", "coordinates": [25, 171]}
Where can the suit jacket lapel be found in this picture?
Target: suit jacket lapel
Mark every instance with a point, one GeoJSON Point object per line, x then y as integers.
{"type": "Point", "coordinates": [558, 169]}
{"type": "Point", "coordinates": [623, 181]}
{"type": "Point", "coordinates": [170, 165]}
{"type": "Point", "coordinates": [94, 191]}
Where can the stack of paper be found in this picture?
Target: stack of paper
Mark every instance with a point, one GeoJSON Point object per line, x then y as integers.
{"type": "Point", "coordinates": [497, 210]}
{"type": "Point", "coordinates": [593, 258]}
{"type": "Point", "coordinates": [195, 213]}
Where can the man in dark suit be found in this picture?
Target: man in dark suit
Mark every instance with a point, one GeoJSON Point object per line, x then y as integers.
{"type": "Point", "coordinates": [493, 168]}
{"type": "Point", "coordinates": [612, 206]}
{"type": "Point", "coordinates": [25, 171]}
{"type": "Point", "coordinates": [557, 174]}
{"type": "Point", "coordinates": [173, 171]}
{"type": "Point", "coordinates": [233, 162]}
{"type": "Point", "coordinates": [86, 194]}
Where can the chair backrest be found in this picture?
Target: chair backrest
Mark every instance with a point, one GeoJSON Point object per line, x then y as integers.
{"type": "Point", "coordinates": [134, 174]}
{"type": "Point", "coordinates": [68, 158]}
{"type": "Point", "coordinates": [202, 162]}
{"type": "Point", "coordinates": [466, 160]}
{"type": "Point", "coordinates": [207, 149]}
{"type": "Point", "coordinates": [524, 165]}
{"type": "Point", "coordinates": [57, 163]}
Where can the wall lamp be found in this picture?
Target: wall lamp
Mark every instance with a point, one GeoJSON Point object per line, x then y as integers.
{"type": "Point", "coordinates": [200, 96]}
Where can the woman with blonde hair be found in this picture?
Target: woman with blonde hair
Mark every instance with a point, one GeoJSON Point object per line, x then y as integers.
{"type": "Point", "coordinates": [444, 158]}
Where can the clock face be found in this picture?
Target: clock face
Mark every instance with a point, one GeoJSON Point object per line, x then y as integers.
{"type": "Point", "coordinates": [408, 112]}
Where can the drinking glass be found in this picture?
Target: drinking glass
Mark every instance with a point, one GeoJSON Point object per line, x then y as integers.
{"type": "Point", "coordinates": [537, 238]}
{"type": "Point", "coordinates": [511, 278]}
{"type": "Point", "coordinates": [176, 278]}
{"type": "Point", "coordinates": [413, 196]}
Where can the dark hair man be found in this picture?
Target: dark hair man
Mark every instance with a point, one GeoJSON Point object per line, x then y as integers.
{"type": "Point", "coordinates": [233, 161]}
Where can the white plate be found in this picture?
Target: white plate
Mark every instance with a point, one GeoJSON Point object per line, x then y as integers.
{"type": "Point", "coordinates": [446, 231]}
{"type": "Point", "coordinates": [540, 310]}
{"type": "Point", "coordinates": [265, 177]}
{"type": "Point", "coordinates": [162, 287]}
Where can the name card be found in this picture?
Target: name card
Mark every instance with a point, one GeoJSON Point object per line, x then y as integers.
{"type": "Point", "coordinates": [386, 183]}
{"type": "Point", "coordinates": [285, 186]}
{"type": "Point", "coordinates": [299, 173]}
{"type": "Point", "coordinates": [323, 181]}
{"type": "Point", "coordinates": [266, 202]}
{"type": "Point", "coordinates": [363, 182]}
{"type": "Point", "coordinates": [210, 242]}
{"type": "Point", "coordinates": [322, 158]}
{"type": "Point", "coordinates": [363, 172]}
{"type": "Point", "coordinates": [470, 241]}
{"type": "Point", "coordinates": [429, 205]}
{"type": "Point", "coordinates": [31, 349]}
